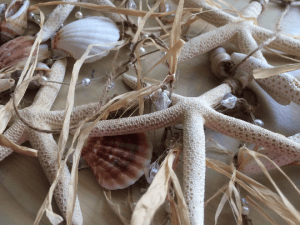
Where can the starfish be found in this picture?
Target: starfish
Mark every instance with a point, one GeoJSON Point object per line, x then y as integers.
{"type": "Point", "coordinates": [38, 115]}
{"type": "Point", "coordinates": [193, 113]}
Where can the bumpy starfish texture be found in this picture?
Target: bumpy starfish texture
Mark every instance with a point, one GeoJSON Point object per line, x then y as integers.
{"type": "Point", "coordinates": [36, 114]}
{"type": "Point", "coordinates": [193, 113]}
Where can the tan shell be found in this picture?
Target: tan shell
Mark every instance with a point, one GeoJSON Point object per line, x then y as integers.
{"type": "Point", "coordinates": [219, 58]}
{"type": "Point", "coordinates": [15, 21]}
{"type": "Point", "coordinates": [16, 52]}
{"type": "Point", "coordinates": [6, 84]}
{"type": "Point", "coordinates": [118, 161]}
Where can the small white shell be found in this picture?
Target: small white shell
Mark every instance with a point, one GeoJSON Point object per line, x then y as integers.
{"type": "Point", "coordinates": [219, 58]}
{"type": "Point", "coordinates": [6, 84]}
{"type": "Point", "coordinates": [15, 21]}
{"type": "Point", "coordinates": [74, 38]}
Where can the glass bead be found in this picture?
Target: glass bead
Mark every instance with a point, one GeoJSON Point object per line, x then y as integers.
{"type": "Point", "coordinates": [244, 201]}
{"type": "Point", "coordinates": [32, 15]}
{"type": "Point", "coordinates": [229, 101]}
{"type": "Point", "coordinates": [259, 122]}
{"type": "Point", "coordinates": [132, 5]}
{"type": "Point", "coordinates": [111, 85]}
{"type": "Point", "coordinates": [43, 80]}
{"type": "Point", "coordinates": [49, 62]}
{"type": "Point", "coordinates": [151, 171]}
{"type": "Point", "coordinates": [160, 100]}
{"type": "Point", "coordinates": [142, 51]}
{"type": "Point", "coordinates": [78, 15]}
{"type": "Point", "coordinates": [246, 210]}
{"type": "Point", "coordinates": [170, 143]}
{"type": "Point", "coordinates": [168, 8]}
{"type": "Point", "coordinates": [86, 81]}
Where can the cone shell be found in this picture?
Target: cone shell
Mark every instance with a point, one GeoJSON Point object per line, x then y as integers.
{"type": "Point", "coordinates": [74, 38]}
{"type": "Point", "coordinates": [6, 84]}
{"type": "Point", "coordinates": [118, 161]}
{"type": "Point", "coordinates": [15, 21]}
{"type": "Point", "coordinates": [16, 52]}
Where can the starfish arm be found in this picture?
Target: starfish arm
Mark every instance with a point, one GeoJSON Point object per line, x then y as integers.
{"type": "Point", "coordinates": [215, 95]}
{"type": "Point", "coordinates": [17, 134]}
{"type": "Point", "coordinates": [246, 43]}
{"type": "Point", "coordinates": [208, 41]}
{"type": "Point", "coordinates": [281, 159]}
{"type": "Point", "coordinates": [194, 165]}
{"type": "Point", "coordinates": [283, 88]}
{"type": "Point", "coordinates": [139, 124]}
{"type": "Point", "coordinates": [113, 16]}
{"type": "Point", "coordinates": [56, 19]}
{"type": "Point", "coordinates": [47, 94]}
{"type": "Point", "coordinates": [214, 16]}
{"type": "Point", "coordinates": [251, 133]}
{"type": "Point", "coordinates": [282, 43]}
{"type": "Point", "coordinates": [48, 159]}
{"type": "Point", "coordinates": [55, 118]}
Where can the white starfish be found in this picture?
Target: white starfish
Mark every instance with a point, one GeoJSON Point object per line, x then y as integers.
{"type": "Point", "coordinates": [38, 115]}
{"type": "Point", "coordinates": [193, 113]}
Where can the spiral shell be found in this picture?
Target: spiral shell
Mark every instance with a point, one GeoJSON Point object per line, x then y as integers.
{"type": "Point", "coordinates": [6, 84]}
{"type": "Point", "coordinates": [220, 60]}
{"type": "Point", "coordinates": [16, 52]}
{"type": "Point", "coordinates": [118, 161]}
{"type": "Point", "coordinates": [15, 21]}
{"type": "Point", "coordinates": [74, 38]}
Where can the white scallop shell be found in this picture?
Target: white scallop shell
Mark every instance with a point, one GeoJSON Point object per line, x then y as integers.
{"type": "Point", "coordinates": [74, 38]}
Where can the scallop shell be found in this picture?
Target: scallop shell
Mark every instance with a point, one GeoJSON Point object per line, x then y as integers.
{"type": "Point", "coordinates": [74, 38]}
{"type": "Point", "coordinates": [6, 84]}
{"type": "Point", "coordinates": [16, 52]}
{"type": "Point", "coordinates": [15, 21]}
{"type": "Point", "coordinates": [118, 161]}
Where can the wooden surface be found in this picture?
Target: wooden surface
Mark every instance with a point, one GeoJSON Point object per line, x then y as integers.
{"type": "Point", "coordinates": [23, 184]}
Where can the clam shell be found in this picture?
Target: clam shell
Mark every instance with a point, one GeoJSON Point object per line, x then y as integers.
{"type": "Point", "coordinates": [16, 52]}
{"type": "Point", "coordinates": [15, 21]}
{"type": "Point", "coordinates": [118, 161]}
{"type": "Point", "coordinates": [74, 38]}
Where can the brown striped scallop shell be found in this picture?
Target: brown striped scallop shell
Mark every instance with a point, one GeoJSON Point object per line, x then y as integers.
{"type": "Point", "coordinates": [15, 21]}
{"type": "Point", "coordinates": [16, 52]}
{"type": "Point", "coordinates": [118, 161]}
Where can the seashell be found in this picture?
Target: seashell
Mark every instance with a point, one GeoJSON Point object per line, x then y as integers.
{"type": "Point", "coordinates": [2, 10]}
{"type": "Point", "coordinates": [220, 62]}
{"type": "Point", "coordinates": [74, 38]}
{"type": "Point", "coordinates": [15, 21]}
{"type": "Point", "coordinates": [15, 52]}
{"type": "Point", "coordinates": [118, 161]}
{"type": "Point", "coordinates": [6, 84]}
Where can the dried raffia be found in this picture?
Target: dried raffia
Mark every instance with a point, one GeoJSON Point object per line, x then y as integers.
{"type": "Point", "coordinates": [269, 72]}
{"type": "Point", "coordinates": [157, 193]}
{"type": "Point", "coordinates": [4, 141]}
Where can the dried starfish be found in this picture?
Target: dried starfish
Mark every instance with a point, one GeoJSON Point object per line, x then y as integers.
{"type": "Point", "coordinates": [37, 115]}
{"type": "Point", "coordinates": [193, 113]}
{"type": "Point", "coordinates": [244, 33]}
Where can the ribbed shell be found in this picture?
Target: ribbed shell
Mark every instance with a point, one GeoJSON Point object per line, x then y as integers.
{"type": "Point", "coordinates": [74, 38]}
{"type": "Point", "coordinates": [118, 161]}
{"type": "Point", "coordinates": [15, 21]}
{"type": "Point", "coordinates": [17, 51]}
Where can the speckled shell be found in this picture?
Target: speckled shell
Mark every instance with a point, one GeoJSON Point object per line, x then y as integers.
{"type": "Point", "coordinates": [17, 51]}
{"type": "Point", "coordinates": [118, 161]}
{"type": "Point", "coordinates": [74, 38]}
{"type": "Point", "coordinates": [15, 21]}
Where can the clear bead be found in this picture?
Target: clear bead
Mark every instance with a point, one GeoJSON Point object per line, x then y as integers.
{"type": "Point", "coordinates": [49, 62]}
{"type": "Point", "coordinates": [160, 100]}
{"type": "Point", "coordinates": [167, 207]}
{"type": "Point", "coordinates": [229, 101]}
{"type": "Point", "coordinates": [259, 122]}
{"type": "Point", "coordinates": [86, 81]}
{"type": "Point", "coordinates": [151, 171]}
{"type": "Point", "coordinates": [246, 210]}
{"type": "Point", "coordinates": [32, 15]}
{"type": "Point", "coordinates": [170, 143]}
{"type": "Point", "coordinates": [244, 201]}
{"type": "Point", "coordinates": [132, 5]}
{"type": "Point", "coordinates": [111, 85]}
{"type": "Point", "coordinates": [43, 80]}
{"type": "Point", "coordinates": [168, 8]}
{"type": "Point", "coordinates": [78, 15]}
{"type": "Point", "coordinates": [143, 51]}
